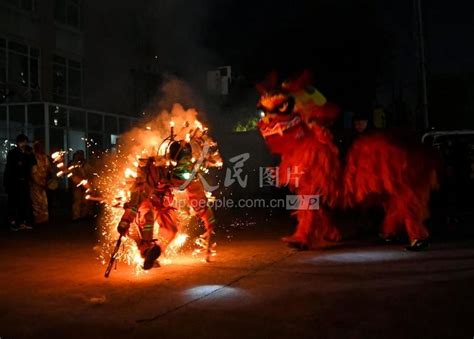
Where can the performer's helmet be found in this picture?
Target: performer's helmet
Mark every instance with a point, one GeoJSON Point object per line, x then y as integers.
{"type": "Point", "coordinates": [179, 150]}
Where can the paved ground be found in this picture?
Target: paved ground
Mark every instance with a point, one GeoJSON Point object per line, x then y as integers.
{"type": "Point", "coordinates": [52, 286]}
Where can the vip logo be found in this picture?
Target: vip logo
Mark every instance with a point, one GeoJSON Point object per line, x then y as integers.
{"type": "Point", "coordinates": [302, 202]}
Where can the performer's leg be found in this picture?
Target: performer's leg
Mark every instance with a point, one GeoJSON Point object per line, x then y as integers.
{"type": "Point", "coordinates": [76, 203]}
{"type": "Point", "coordinates": [393, 220]}
{"type": "Point", "coordinates": [12, 209]}
{"type": "Point", "coordinates": [149, 250]}
{"type": "Point", "coordinates": [207, 216]}
{"type": "Point", "coordinates": [416, 230]}
{"type": "Point", "coordinates": [146, 222]}
{"type": "Point", "coordinates": [418, 207]}
{"type": "Point", "coordinates": [168, 229]}
{"type": "Point", "coordinates": [39, 203]}
{"type": "Point", "coordinates": [410, 210]}
{"type": "Point", "coordinates": [313, 227]}
{"type": "Point", "coordinates": [198, 200]}
{"type": "Point", "coordinates": [300, 237]}
{"type": "Point", "coordinates": [45, 205]}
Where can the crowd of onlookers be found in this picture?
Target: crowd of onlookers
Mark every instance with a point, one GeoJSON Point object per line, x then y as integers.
{"type": "Point", "coordinates": [29, 176]}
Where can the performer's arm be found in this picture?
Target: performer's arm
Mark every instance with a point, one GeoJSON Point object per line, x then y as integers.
{"type": "Point", "coordinates": [131, 206]}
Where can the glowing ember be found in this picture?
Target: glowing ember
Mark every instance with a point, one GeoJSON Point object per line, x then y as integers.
{"type": "Point", "coordinates": [82, 183]}
{"type": "Point", "coordinates": [55, 155]}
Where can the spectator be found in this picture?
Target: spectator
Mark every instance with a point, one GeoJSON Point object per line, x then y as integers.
{"type": "Point", "coordinates": [17, 184]}
{"type": "Point", "coordinates": [360, 123]}
{"type": "Point", "coordinates": [360, 126]}
{"type": "Point", "coordinates": [81, 207]}
{"type": "Point", "coordinates": [40, 174]}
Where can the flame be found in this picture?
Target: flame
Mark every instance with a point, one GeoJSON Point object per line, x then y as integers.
{"type": "Point", "coordinates": [178, 241]}
{"type": "Point", "coordinates": [130, 173]}
{"type": "Point", "coordinates": [198, 125]}
{"type": "Point", "coordinates": [82, 183]}
{"type": "Point", "coordinates": [115, 179]}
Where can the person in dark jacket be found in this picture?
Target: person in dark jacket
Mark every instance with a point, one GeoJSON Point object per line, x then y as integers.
{"type": "Point", "coordinates": [17, 175]}
{"type": "Point", "coordinates": [361, 124]}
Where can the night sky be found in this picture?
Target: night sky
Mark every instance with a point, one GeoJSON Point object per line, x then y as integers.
{"type": "Point", "coordinates": [448, 26]}
{"type": "Point", "coordinates": [345, 43]}
{"type": "Point", "coordinates": [361, 52]}
{"type": "Point", "coordinates": [334, 40]}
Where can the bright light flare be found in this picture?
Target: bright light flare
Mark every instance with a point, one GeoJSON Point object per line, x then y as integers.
{"type": "Point", "coordinates": [198, 125]}
{"type": "Point", "coordinates": [55, 155]}
{"type": "Point", "coordinates": [179, 241]}
{"type": "Point", "coordinates": [130, 173]}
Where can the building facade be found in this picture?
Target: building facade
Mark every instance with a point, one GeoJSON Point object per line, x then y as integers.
{"type": "Point", "coordinates": [47, 89]}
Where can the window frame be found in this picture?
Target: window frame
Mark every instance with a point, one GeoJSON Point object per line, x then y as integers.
{"type": "Point", "coordinates": [67, 66]}
{"type": "Point", "coordinates": [19, 6]}
{"type": "Point", "coordinates": [6, 50]}
{"type": "Point", "coordinates": [65, 23]}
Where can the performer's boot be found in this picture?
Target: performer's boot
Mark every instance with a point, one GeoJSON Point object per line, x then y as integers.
{"type": "Point", "coordinates": [295, 242]}
{"type": "Point", "coordinates": [418, 245]}
{"type": "Point", "coordinates": [418, 234]}
{"type": "Point", "coordinates": [151, 254]}
{"type": "Point", "coordinates": [387, 239]}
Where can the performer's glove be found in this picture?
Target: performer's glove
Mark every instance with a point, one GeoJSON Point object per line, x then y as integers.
{"type": "Point", "coordinates": [123, 227]}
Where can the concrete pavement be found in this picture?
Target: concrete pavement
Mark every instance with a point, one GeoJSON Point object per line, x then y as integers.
{"type": "Point", "coordinates": [53, 286]}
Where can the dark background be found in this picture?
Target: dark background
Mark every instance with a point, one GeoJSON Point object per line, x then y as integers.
{"type": "Point", "coordinates": [363, 53]}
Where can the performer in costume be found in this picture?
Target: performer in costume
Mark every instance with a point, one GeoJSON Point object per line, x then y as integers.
{"type": "Point", "coordinates": [152, 200]}
{"type": "Point", "coordinates": [40, 174]}
{"type": "Point", "coordinates": [377, 169]}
